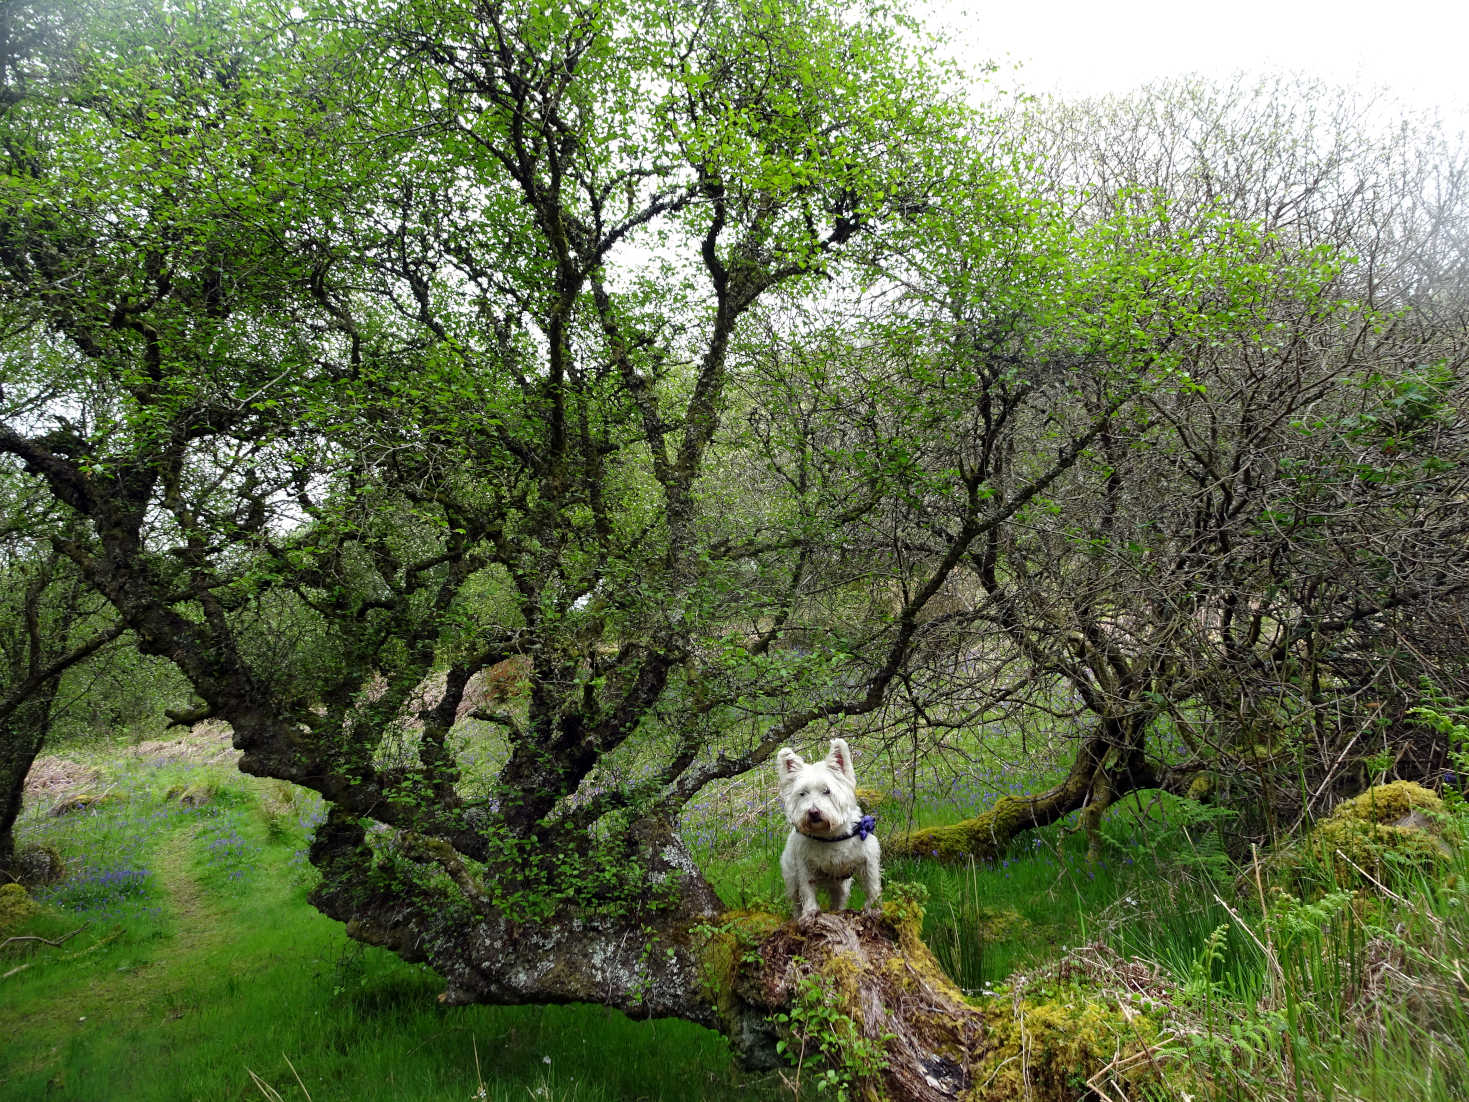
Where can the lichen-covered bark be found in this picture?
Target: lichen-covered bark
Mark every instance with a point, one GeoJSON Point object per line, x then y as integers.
{"type": "Point", "coordinates": [493, 943]}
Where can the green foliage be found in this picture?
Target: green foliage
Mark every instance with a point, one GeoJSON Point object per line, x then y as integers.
{"type": "Point", "coordinates": [822, 1031]}
{"type": "Point", "coordinates": [705, 365]}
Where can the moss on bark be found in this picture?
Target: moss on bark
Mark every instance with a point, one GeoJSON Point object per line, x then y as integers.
{"type": "Point", "coordinates": [986, 836]}
{"type": "Point", "coordinates": [983, 837]}
{"type": "Point", "coordinates": [848, 986]}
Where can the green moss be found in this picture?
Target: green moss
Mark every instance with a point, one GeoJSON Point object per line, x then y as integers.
{"type": "Point", "coordinates": [725, 946]}
{"type": "Point", "coordinates": [1046, 1049]}
{"type": "Point", "coordinates": [1201, 788]}
{"type": "Point", "coordinates": [902, 907]}
{"type": "Point", "coordinates": [841, 973]}
{"type": "Point", "coordinates": [983, 837]}
{"type": "Point", "coordinates": [1369, 839]}
{"type": "Point", "coordinates": [875, 800]}
{"type": "Point", "coordinates": [16, 907]}
{"type": "Point", "coordinates": [1001, 924]}
{"type": "Point", "coordinates": [1358, 848]}
{"type": "Point", "coordinates": [1388, 803]}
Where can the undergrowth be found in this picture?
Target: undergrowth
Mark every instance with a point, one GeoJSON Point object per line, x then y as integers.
{"type": "Point", "coordinates": [199, 971]}
{"type": "Point", "coordinates": [189, 965]}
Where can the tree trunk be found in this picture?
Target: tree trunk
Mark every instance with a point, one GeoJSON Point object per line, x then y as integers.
{"type": "Point", "coordinates": [861, 995]}
{"type": "Point", "coordinates": [1104, 770]}
{"type": "Point", "coordinates": [22, 734]}
{"type": "Point", "coordinates": [854, 997]}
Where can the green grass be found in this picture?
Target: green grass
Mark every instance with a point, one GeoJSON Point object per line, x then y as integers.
{"type": "Point", "coordinates": [200, 972]}
{"type": "Point", "coordinates": [209, 966]}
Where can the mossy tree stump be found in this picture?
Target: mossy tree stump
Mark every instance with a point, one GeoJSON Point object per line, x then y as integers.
{"type": "Point", "coordinates": [853, 984]}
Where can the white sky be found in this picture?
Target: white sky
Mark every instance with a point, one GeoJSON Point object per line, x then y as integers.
{"type": "Point", "coordinates": [1417, 50]}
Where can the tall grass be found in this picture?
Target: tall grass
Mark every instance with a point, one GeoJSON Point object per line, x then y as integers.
{"type": "Point", "coordinates": [1347, 992]}
{"type": "Point", "coordinates": [201, 972]}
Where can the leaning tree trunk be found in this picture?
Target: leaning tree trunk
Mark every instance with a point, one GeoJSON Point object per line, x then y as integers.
{"type": "Point", "coordinates": [1107, 766]}
{"type": "Point", "coordinates": [22, 734]}
{"type": "Point", "coordinates": [855, 997]}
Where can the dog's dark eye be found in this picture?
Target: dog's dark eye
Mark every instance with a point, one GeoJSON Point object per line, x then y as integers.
{"type": "Point", "coordinates": [826, 792]}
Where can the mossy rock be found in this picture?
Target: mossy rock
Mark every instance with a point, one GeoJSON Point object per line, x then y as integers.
{"type": "Point", "coordinates": [1372, 839]}
{"type": "Point", "coordinates": [39, 865]}
{"type": "Point", "coordinates": [83, 801]}
{"type": "Point", "coordinates": [1389, 803]}
{"type": "Point", "coordinates": [875, 801]}
{"type": "Point", "coordinates": [1046, 1047]}
{"type": "Point", "coordinates": [16, 908]}
{"type": "Point", "coordinates": [193, 795]}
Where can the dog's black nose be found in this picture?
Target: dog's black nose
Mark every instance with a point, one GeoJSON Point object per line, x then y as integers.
{"type": "Point", "coordinates": [813, 816]}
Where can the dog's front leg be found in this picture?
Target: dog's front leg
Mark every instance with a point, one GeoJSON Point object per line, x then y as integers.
{"type": "Point", "coordinates": [807, 905]}
{"type": "Point", "coordinates": [871, 876]}
{"type": "Point", "coordinates": [841, 888]}
{"type": "Point", "coordinates": [799, 888]}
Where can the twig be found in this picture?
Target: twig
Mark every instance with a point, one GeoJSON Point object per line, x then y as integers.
{"type": "Point", "coordinates": [1331, 773]}
{"type": "Point", "coordinates": [1264, 910]}
{"type": "Point", "coordinates": [45, 940]}
{"type": "Point", "coordinates": [1381, 886]}
{"type": "Point", "coordinates": [1147, 1049]}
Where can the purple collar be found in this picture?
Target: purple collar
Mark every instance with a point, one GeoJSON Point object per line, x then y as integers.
{"type": "Point", "coordinates": [860, 829]}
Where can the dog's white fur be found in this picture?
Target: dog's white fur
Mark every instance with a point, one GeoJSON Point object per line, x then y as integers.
{"type": "Point", "coordinates": [820, 801]}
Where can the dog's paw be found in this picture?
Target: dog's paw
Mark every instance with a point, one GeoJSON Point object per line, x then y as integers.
{"type": "Point", "coordinates": [808, 916]}
{"type": "Point", "coordinates": [872, 907]}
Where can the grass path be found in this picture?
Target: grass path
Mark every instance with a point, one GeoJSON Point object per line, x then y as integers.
{"type": "Point", "coordinates": [113, 978]}
{"type": "Point", "coordinates": [197, 920]}
{"type": "Point", "coordinates": [222, 970]}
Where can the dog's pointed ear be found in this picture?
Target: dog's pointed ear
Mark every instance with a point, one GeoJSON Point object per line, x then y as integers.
{"type": "Point", "coordinates": [787, 762]}
{"type": "Point", "coordinates": [839, 760]}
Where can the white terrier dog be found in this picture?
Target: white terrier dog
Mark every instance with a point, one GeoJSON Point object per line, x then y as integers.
{"type": "Point", "coordinates": [831, 840]}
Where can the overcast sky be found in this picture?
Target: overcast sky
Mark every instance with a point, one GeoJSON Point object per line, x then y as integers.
{"type": "Point", "coordinates": [1415, 48]}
